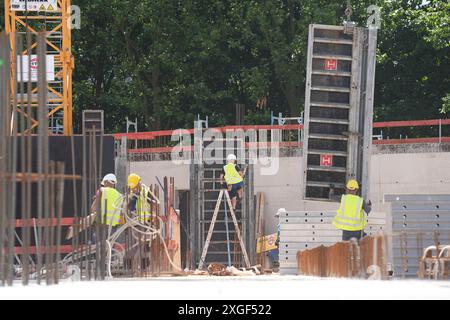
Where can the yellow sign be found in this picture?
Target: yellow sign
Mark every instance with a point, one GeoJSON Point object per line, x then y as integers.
{"type": "Point", "coordinates": [50, 8]}
{"type": "Point", "coordinates": [42, 8]}
{"type": "Point", "coordinates": [267, 243]}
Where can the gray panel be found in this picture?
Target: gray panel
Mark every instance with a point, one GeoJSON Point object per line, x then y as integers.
{"type": "Point", "coordinates": [409, 198]}
{"type": "Point", "coordinates": [302, 230]}
{"type": "Point", "coordinates": [338, 109]}
{"type": "Point", "coordinates": [416, 222]}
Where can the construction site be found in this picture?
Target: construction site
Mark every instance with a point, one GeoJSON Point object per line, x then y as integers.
{"type": "Point", "coordinates": [263, 207]}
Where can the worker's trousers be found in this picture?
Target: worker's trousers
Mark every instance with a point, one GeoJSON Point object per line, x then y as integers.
{"type": "Point", "coordinates": [347, 235]}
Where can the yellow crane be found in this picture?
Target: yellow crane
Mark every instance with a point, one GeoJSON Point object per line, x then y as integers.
{"type": "Point", "coordinates": [52, 17]}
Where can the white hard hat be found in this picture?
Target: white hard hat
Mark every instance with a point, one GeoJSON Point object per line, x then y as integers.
{"type": "Point", "coordinates": [110, 177]}
{"type": "Point", "coordinates": [231, 157]}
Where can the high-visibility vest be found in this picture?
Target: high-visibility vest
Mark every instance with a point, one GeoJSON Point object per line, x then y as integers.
{"type": "Point", "coordinates": [111, 214]}
{"type": "Point", "coordinates": [350, 215]}
{"type": "Point", "coordinates": [143, 209]}
{"type": "Point", "coordinates": [231, 174]}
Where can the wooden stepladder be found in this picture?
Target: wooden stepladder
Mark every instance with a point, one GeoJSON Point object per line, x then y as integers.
{"type": "Point", "coordinates": [211, 228]}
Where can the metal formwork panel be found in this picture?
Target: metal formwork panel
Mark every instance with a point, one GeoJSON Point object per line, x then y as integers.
{"type": "Point", "coordinates": [418, 221]}
{"type": "Point", "coordinates": [338, 109]}
{"type": "Point", "coordinates": [205, 181]}
{"type": "Point", "coordinates": [302, 230]}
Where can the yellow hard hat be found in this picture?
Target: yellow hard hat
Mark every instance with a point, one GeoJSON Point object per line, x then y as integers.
{"type": "Point", "coordinates": [133, 180]}
{"type": "Point", "coordinates": [352, 185]}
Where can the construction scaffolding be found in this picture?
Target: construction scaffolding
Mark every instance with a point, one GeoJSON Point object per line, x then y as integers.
{"type": "Point", "coordinates": [54, 23]}
{"type": "Point", "coordinates": [205, 181]}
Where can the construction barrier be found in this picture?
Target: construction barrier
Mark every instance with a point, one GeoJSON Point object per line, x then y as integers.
{"type": "Point", "coordinates": [346, 259]}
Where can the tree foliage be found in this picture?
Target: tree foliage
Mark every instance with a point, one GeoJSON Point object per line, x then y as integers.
{"type": "Point", "coordinates": [165, 62]}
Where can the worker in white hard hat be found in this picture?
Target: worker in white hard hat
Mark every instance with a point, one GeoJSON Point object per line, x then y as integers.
{"type": "Point", "coordinates": [274, 255]}
{"type": "Point", "coordinates": [110, 180]}
{"type": "Point", "coordinates": [140, 198]}
{"type": "Point", "coordinates": [110, 202]}
{"type": "Point", "coordinates": [351, 217]}
{"type": "Point", "coordinates": [234, 178]}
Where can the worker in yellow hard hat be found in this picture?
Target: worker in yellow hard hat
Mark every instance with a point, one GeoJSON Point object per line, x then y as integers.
{"type": "Point", "coordinates": [141, 198]}
{"type": "Point", "coordinates": [351, 217]}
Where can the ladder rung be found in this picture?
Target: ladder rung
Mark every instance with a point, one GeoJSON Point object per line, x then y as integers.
{"type": "Point", "coordinates": [223, 252]}
{"type": "Point", "coordinates": [221, 221]}
{"type": "Point", "coordinates": [333, 153]}
{"type": "Point", "coordinates": [332, 73]}
{"type": "Point", "coordinates": [336, 41]}
{"type": "Point", "coordinates": [329, 120]}
{"type": "Point", "coordinates": [330, 89]}
{"type": "Point", "coordinates": [324, 184]}
{"type": "Point", "coordinates": [330, 105]}
{"type": "Point", "coordinates": [222, 232]}
{"type": "Point", "coordinates": [329, 56]}
{"type": "Point", "coordinates": [330, 169]}
{"type": "Point", "coordinates": [221, 242]}
{"type": "Point", "coordinates": [327, 136]}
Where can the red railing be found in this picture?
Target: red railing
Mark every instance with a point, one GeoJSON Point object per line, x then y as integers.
{"type": "Point", "coordinates": [62, 249]}
{"type": "Point", "coordinates": [291, 136]}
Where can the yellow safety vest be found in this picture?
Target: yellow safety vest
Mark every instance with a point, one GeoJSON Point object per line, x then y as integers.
{"type": "Point", "coordinates": [350, 215]}
{"type": "Point", "coordinates": [111, 215]}
{"type": "Point", "coordinates": [143, 209]}
{"type": "Point", "coordinates": [231, 174]}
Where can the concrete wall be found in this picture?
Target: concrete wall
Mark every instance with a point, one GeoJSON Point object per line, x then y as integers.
{"type": "Point", "coordinates": [150, 170]}
{"type": "Point", "coordinates": [399, 173]}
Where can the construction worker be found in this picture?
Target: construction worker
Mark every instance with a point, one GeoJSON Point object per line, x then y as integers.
{"type": "Point", "coordinates": [351, 216]}
{"type": "Point", "coordinates": [110, 202]}
{"type": "Point", "coordinates": [234, 178]}
{"type": "Point", "coordinates": [274, 255]}
{"type": "Point", "coordinates": [141, 198]}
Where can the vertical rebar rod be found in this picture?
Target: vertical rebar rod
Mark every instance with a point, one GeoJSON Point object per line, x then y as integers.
{"type": "Point", "coordinates": [49, 239]}
{"type": "Point", "coordinates": [83, 235]}
{"type": "Point", "coordinates": [75, 227]}
{"type": "Point", "coordinates": [13, 130]}
{"type": "Point", "coordinates": [43, 144]}
{"type": "Point", "coordinates": [4, 101]}
{"type": "Point", "coordinates": [59, 212]}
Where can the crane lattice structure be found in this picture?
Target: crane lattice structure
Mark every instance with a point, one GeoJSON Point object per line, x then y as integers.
{"type": "Point", "coordinates": [52, 17]}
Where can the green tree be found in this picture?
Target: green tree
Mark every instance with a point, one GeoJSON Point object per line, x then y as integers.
{"type": "Point", "coordinates": [413, 60]}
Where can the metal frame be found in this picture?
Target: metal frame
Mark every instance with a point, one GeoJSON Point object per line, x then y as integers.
{"type": "Point", "coordinates": [86, 118]}
{"type": "Point", "coordinates": [198, 209]}
{"type": "Point", "coordinates": [368, 110]}
{"type": "Point", "coordinates": [59, 43]}
{"type": "Point", "coordinates": [360, 106]}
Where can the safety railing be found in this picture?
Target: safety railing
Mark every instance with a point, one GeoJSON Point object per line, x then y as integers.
{"type": "Point", "coordinates": [425, 131]}
{"type": "Point", "coordinates": [158, 145]}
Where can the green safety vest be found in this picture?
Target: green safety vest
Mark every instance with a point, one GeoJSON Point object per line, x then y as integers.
{"type": "Point", "coordinates": [143, 209]}
{"type": "Point", "coordinates": [231, 174]}
{"type": "Point", "coordinates": [350, 215]}
{"type": "Point", "coordinates": [111, 215]}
